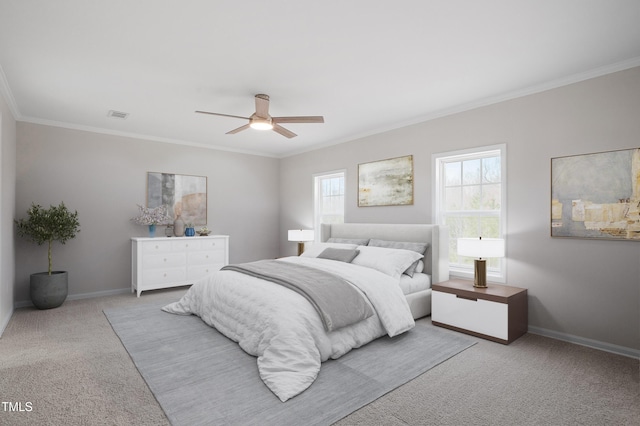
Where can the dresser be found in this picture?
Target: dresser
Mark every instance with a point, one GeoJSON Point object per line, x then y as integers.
{"type": "Point", "coordinates": [498, 312]}
{"type": "Point", "coordinates": [175, 261]}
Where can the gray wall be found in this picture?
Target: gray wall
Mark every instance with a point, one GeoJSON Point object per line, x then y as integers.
{"type": "Point", "coordinates": [579, 289]}
{"type": "Point", "coordinates": [103, 177]}
{"type": "Point", "coordinates": [7, 210]}
{"type": "Point", "coordinates": [583, 290]}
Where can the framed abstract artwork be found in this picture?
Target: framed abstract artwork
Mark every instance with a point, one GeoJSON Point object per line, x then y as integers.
{"type": "Point", "coordinates": [386, 182]}
{"type": "Point", "coordinates": [185, 195]}
{"type": "Point", "coordinates": [596, 195]}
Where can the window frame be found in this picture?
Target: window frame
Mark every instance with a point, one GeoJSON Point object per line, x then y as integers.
{"type": "Point", "coordinates": [317, 179]}
{"type": "Point", "coordinates": [498, 274]}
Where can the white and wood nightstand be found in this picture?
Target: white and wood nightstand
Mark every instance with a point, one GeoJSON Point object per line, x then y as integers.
{"type": "Point", "coordinates": [498, 312]}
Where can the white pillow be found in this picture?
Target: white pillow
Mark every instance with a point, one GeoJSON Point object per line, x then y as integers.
{"type": "Point", "coordinates": [314, 249]}
{"type": "Point", "coordinates": [392, 262]}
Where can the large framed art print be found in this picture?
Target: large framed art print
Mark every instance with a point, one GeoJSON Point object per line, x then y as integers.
{"type": "Point", "coordinates": [386, 182]}
{"type": "Point", "coordinates": [185, 195]}
{"type": "Point", "coordinates": [596, 195]}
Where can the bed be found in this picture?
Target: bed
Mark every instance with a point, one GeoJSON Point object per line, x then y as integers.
{"type": "Point", "coordinates": [296, 312]}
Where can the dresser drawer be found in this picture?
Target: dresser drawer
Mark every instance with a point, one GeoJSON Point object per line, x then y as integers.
{"type": "Point", "coordinates": [206, 257]}
{"type": "Point", "coordinates": [213, 244]}
{"type": "Point", "coordinates": [156, 247]}
{"type": "Point", "coordinates": [164, 260]}
{"type": "Point", "coordinates": [186, 244]}
{"type": "Point", "coordinates": [154, 277]}
{"type": "Point", "coordinates": [480, 316]}
{"type": "Point", "coordinates": [194, 273]}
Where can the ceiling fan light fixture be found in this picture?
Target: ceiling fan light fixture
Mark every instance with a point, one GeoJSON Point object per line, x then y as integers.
{"type": "Point", "coordinates": [261, 120]}
{"type": "Point", "coordinates": [260, 123]}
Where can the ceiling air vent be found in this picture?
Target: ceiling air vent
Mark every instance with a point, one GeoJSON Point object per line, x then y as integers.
{"type": "Point", "coordinates": [118, 114]}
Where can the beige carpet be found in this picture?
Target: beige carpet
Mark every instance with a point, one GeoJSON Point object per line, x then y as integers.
{"type": "Point", "coordinates": [69, 364]}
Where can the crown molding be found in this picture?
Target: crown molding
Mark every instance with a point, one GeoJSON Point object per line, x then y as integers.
{"type": "Point", "coordinates": [132, 135]}
{"type": "Point", "coordinates": [5, 90]}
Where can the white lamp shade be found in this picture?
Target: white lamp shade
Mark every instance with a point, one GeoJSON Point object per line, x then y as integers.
{"type": "Point", "coordinates": [301, 235]}
{"type": "Point", "coordinates": [481, 247]}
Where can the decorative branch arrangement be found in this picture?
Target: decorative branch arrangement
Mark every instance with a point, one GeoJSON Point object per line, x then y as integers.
{"type": "Point", "coordinates": [153, 216]}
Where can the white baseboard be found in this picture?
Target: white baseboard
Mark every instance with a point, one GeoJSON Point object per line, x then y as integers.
{"type": "Point", "coordinates": [25, 303]}
{"type": "Point", "coordinates": [603, 346]}
{"type": "Point", "coordinates": [5, 321]}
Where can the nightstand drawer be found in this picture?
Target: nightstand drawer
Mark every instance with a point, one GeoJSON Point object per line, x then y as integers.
{"type": "Point", "coordinates": [477, 315]}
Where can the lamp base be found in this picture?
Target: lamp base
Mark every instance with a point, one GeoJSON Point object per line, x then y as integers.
{"type": "Point", "coordinates": [300, 248]}
{"type": "Point", "coordinates": [480, 273]}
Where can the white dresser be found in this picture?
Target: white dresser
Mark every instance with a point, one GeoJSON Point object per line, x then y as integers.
{"type": "Point", "coordinates": [175, 261]}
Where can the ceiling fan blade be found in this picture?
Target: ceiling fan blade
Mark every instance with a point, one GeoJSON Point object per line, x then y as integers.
{"type": "Point", "coordinates": [284, 132]}
{"type": "Point", "coordinates": [221, 115]}
{"type": "Point", "coordinates": [239, 129]}
{"type": "Point", "coordinates": [262, 106]}
{"type": "Point", "coordinates": [304, 119]}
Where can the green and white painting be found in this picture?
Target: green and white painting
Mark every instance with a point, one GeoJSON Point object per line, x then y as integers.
{"type": "Point", "coordinates": [386, 182]}
{"type": "Point", "coordinates": [596, 195]}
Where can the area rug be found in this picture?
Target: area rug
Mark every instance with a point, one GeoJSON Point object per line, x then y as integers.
{"type": "Point", "coordinates": [200, 377]}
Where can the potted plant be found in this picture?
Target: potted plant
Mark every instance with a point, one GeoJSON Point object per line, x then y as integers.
{"type": "Point", "coordinates": [49, 289]}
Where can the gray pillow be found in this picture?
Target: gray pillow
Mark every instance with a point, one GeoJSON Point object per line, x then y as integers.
{"type": "Point", "coordinates": [341, 255]}
{"type": "Point", "coordinates": [356, 241]}
{"type": "Point", "coordinates": [417, 247]}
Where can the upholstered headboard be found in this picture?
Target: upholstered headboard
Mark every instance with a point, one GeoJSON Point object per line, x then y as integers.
{"type": "Point", "coordinates": [437, 256]}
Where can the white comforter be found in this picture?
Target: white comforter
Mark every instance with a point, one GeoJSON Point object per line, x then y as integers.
{"type": "Point", "coordinates": [282, 328]}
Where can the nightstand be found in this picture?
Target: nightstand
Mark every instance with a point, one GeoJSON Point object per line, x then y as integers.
{"type": "Point", "coordinates": [498, 312]}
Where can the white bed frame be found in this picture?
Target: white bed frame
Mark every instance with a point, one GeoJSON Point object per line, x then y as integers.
{"type": "Point", "coordinates": [436, 260]}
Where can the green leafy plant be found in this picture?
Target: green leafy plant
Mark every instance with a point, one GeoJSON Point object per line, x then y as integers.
{"type": "Point", "coordinates": [42, 225]}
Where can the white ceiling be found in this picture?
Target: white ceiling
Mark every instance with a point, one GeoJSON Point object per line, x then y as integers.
{"type": "Point", "coordinates": [366, 65]}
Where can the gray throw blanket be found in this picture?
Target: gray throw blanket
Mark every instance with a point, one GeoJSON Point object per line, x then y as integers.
{"type": "Point", "coordinates": [338, 303]}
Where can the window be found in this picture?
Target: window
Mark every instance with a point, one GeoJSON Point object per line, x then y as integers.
{"type": "Point", "coordinates": [470, 198]}
{"type": "Point", "coordinates": [329, 199]}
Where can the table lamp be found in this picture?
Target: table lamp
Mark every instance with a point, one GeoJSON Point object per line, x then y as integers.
{"type": "Point", "coordinates": [300, 236]}
{"type": "Point", "coordinates": [480, 248]}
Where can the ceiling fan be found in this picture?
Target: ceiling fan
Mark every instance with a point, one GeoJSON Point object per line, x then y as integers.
{"type": "Point", "coordinates": [261, 119]}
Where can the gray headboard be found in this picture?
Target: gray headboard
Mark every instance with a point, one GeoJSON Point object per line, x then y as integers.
{"type": "Point", "coordinates": [436, 258]}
